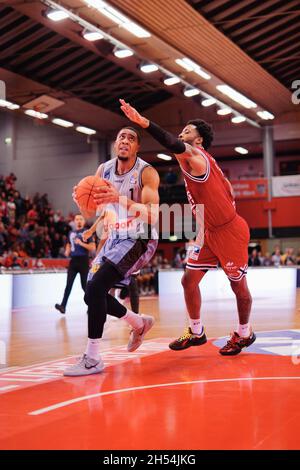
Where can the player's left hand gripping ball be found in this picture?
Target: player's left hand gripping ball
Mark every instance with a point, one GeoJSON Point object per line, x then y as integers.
{"type": "Point", "coordinates": [106, 194]}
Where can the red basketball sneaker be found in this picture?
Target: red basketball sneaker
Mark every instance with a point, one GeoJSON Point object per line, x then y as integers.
{"type": "Point", "coordinates": [188, 339]}
{"type": "Point", "coordinates": [236, 343]}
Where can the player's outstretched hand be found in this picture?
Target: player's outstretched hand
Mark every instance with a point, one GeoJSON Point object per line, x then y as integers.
{"type": "Point", "coordinates": [133, 115]}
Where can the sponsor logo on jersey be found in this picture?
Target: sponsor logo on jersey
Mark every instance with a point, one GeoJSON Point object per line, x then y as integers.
{"type": "Point", "coordinates": [133, 178]}
{"type": "Point", "coordinates": [106, 174]}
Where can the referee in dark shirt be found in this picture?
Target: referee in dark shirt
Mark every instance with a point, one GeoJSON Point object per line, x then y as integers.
{"type": "Point", "coordinates": [79, 252]}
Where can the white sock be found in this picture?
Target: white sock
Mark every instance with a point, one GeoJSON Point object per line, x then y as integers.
{"type": "Point", "coordinates": [244, 330]}
{"type": "Point", "coordinates": [133, 319]}
{"type": "Point", "coordinates": [196, 326]}
{"type": "Point", "coordinates": [93, 348]}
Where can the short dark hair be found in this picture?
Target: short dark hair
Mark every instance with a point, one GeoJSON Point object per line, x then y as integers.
{"type": "Point", "coordinates": [134, 130]}
{"type": "Point", "coordinates": [204, 130]}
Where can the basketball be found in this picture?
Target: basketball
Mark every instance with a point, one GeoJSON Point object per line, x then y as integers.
{"type": "Point", "coordinates": [85, 191]}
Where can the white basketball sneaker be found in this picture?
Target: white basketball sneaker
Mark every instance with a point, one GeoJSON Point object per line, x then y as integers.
{"type": "Point", "coordinates": [85, 366]}
{"type": "Point", "coordinates": [136, 336]}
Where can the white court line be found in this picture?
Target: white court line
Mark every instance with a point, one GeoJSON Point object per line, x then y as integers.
{"type": "Point", "coordinates": [113, 350]}
{"type": "Point", "coordinates": [107, 351]}
{"type": "Point", "coordinates": [8, 387]}
{"type": "Point", "coordinates": [145, 387]}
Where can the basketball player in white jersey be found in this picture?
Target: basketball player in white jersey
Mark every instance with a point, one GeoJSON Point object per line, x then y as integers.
{"type": "Point", "coordinates": [132, 192]}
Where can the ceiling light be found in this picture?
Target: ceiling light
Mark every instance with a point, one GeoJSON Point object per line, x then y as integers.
{"type": "Point", "coordinates": [117, 17]}
{"type": "Point", "coordinates": [62, 122]}
{"type": "Point", "coordinates": [148, 68]}
{"type": "Point", "coordinates": [85, 130]}
{"type": "Point", "coordinates": [56, 15]}
{"type": "Point", "coordinates": [122, 53]}
{"type": "Point", "coordinates": [202, 74]}
{"type": "Point", "coordinates": [189, 92]}
{"type": "Point", "coordinates": [107, 10]}
{"type": "Point", "coordinates": [8, 104]}
{"type": "Point", "coordinates": [191, 66]}
{"type": "Point", "coordinates": [224, 111]}
{"type": "Point", "coordinates": [236, 96]}
{"type": "Point", "coordinates": [13, 106]}
{"type": "Point", "coordinates": [208, 102]}
{"type": "Point", "coordinates": [36, 114]}
{"type": "Point", "coordinates": [195, 68]}
{"type": "Point", "coordinates": [136, 30]}
{"type": "Point", "coordinates": [265, 115]}
{"type": "Point", "coordinates": [184, 65]}
{"type": "Point", "coordinates": [162, 156]}
{"type": "Point", "coordinates": [241, 150]}
{"type": "Point", "coordinates": [171, 81]}
{"type": "Point", "coordinates": [92, 35]}
{"type": "Point", "coordinates": [238, 119]}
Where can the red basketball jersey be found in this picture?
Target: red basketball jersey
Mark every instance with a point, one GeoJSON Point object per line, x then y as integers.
{"type": "Point", "coordinates": [212, 190]}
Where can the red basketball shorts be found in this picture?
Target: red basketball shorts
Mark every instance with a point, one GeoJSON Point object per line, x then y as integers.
{"type": "Point", "coordinates": [226, 246]}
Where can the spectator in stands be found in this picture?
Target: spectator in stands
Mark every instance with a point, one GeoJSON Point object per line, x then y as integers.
{"type": "Point", "coordinates": [56, 245]}
{"type": "Point", "coordinates": [166, 264]}
{"type": "Point", "coordinates": [3, 238]}
{"type": "Point", "coordinates": [32, 215]}
{"type": "Point", "coordinates": [177, 262]}
{"type": "Point", "coordinates": [254, 258]}
{"type": "Point", "coordinates": [145, 280]}
{"type": "Point", "coordinates": [22, 251]}
{"type": "Point", "coordinates": [20, 205]}
{"type": "Point", "coordinates": [288, 259]}
{"type": "Point", "coordinates": [3, 208]}
{"type": "Point", "coordinates": [11, 209]}
{"type": "Point", "coordinates": [267, 260]}
{"type": "Point", "coordinates": [276, 257]}
{"type": "Point", "coordinates": [57, 216]}
{"type": "Point", "coordinates": [261, 258]}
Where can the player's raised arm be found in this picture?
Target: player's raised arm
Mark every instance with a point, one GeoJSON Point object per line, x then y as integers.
{"type": "Point", "coordinates": [165, 138]}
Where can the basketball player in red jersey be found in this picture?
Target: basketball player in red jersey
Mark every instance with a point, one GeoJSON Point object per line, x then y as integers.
{"type": "Point", "coordinates": [226, 234]}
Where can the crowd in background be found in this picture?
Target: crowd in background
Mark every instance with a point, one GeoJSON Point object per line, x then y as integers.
{"type": "Point", "coordinates": [256, 258]}
{"type": "Point", "coordinates": [31, 228]}
{"type": "Point", "coordinates": [277, 258]}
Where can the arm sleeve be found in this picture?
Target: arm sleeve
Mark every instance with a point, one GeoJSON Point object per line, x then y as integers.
{"type": "Point", "coordinates": [165, 138]}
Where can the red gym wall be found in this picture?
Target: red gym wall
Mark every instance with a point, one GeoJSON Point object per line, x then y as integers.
{"type": "Point", "coordinates": [285, 211]}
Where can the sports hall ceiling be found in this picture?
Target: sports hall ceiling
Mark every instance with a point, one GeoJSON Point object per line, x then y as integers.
{"type": "Point", "coordinates": [268, 31]}
{"type": "Point", "coordinates": [253, 49]}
